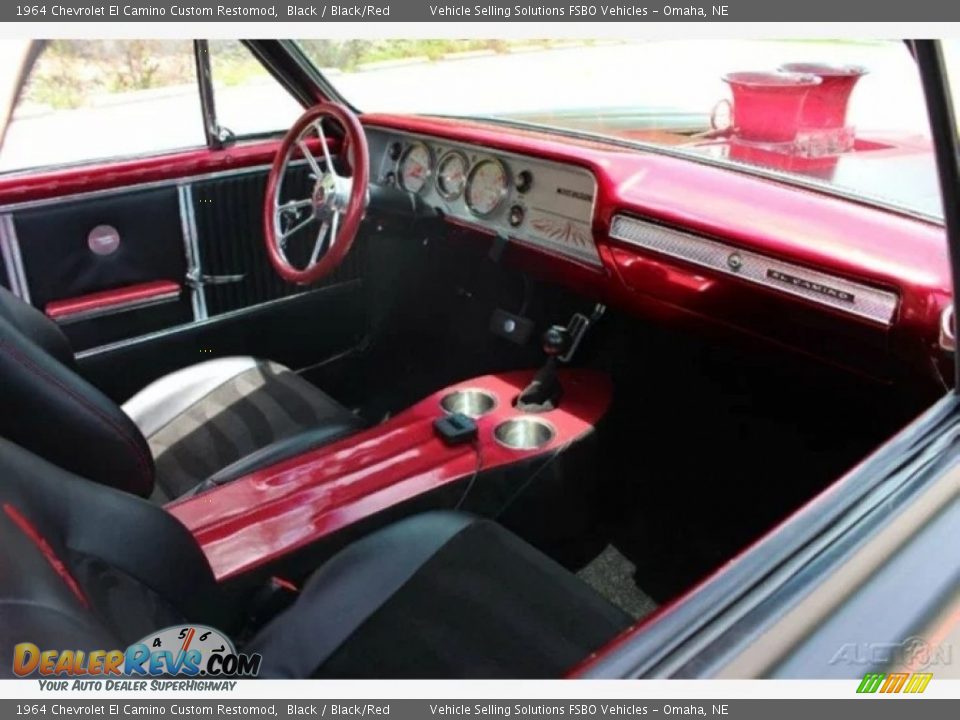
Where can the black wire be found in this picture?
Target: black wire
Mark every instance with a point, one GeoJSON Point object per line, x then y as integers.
{"type": "Point", "coordinates": [529, 481]}
{"type": "Point", "coordinates": [478, 449]}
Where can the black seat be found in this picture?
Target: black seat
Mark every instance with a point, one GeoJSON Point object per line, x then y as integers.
{"type": "Point", "coordinates": [195, 428]}
{"type": "Point", "coordinates": [440, 595]}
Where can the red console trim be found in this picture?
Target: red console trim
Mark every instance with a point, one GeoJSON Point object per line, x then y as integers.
{"type": "Point", "coordinates": [273, 512]}
{"type": "Point", "coordinates": [107, 302]}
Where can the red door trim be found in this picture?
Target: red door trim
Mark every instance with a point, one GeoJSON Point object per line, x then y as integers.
{"type": "Point", "coordinates": [117, 300]}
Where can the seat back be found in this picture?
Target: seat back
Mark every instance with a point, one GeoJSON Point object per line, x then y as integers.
{"type": "Point", "coordinates": [46, 407]}
{"type": "Point", "coordinates": [87, 567]}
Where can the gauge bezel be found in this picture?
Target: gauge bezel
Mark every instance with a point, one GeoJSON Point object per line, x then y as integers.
{"type": "Point", "coordinates": [430, 168]}
{"type": "Point", "coordinates": [504, 192]}
{"type": "Point", "coordinates": [449, 154]}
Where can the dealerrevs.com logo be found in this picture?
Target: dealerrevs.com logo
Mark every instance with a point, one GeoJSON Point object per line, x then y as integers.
{"type": "Point", "coordinates": [186, 651]}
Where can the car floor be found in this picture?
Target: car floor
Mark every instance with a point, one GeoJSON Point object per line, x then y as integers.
{"type": "Point", "coordinates": [709, 445]}
{"type": "Point", "coordinates": [613, 576]}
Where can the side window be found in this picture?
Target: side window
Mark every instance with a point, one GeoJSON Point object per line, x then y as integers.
{"type": "Point", "coordinates": [88, 100]}
{"type": "Point", "coordinates": [249, 101]}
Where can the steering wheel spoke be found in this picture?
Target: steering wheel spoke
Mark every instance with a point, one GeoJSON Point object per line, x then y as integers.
{"type": "Point", "coordinates": [326, 148]}
{"type": "Point", "coordinates": [318, 243]}
{"type": "Point", "coordinates": [294, 205]}
{"type": "Point", "coordinates": [311, 160]}
{"type": "Point", "coordinates": [289, 232]}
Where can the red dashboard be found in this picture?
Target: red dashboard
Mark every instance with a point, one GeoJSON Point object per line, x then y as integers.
{"type": "Point", "coordinates": [817, 255]}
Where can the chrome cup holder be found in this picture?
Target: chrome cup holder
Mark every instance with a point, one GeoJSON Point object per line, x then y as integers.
{"type": "Point", "coordinates": [469, 401]}
{"type": "Point", "coordinates": [525, 433]}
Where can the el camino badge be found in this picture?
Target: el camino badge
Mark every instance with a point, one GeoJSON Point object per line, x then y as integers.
{"type": "Point", "coordinates": [575, 194]}
{"type": "Point", "coordinates": [812, 286]}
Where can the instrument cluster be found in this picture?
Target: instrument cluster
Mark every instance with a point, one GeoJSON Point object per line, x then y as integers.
{"type": "Point", "coordinates": [527, 199]}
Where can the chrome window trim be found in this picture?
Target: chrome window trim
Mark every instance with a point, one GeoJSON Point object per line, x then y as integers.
{"type": "Point", "coordinates": [836, 293]}
{"type": "Point", "coordinates": [12, 259]}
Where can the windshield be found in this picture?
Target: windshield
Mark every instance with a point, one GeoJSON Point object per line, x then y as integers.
{"type": "Point", "coordinates": [847, 115]}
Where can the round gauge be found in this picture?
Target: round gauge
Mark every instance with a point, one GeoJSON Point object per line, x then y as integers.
{"type": "Point", "coordinates": [451, 175]}
{"type": "Point", "coordinates": [416, 164]}
{"type": "Point", "coordinates": [486, 187]}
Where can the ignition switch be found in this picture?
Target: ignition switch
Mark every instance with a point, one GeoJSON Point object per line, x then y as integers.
{"type": "Point", "coordinates": [516, 216]}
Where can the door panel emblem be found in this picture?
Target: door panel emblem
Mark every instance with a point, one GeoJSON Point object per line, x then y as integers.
{"type": "Point", "coordinates": [103, 240]}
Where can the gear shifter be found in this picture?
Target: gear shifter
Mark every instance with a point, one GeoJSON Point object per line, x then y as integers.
{"type": "Point", "coordinates": [544, 391]}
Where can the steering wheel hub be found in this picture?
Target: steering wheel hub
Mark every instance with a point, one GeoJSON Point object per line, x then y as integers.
{"type": "Point", "coordinates": [331, 194]}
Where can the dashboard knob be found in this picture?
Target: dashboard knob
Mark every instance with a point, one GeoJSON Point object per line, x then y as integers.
{"type": "Point", "coordinates": [395, 150]}
{"type": "Point", "coordinates": [524, 181]}
{"type": "Point", "coordinates": [516, 216]}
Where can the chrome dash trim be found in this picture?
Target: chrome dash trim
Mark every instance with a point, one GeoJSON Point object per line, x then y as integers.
{"type": "Point", "coordinates": [117, 308]}
{"type": "Point", "coordinates": [846, 296]}
{"type": "Point", "coordinates": [12, 260]}
{"type": "Point", "coordinates": [191, 246]}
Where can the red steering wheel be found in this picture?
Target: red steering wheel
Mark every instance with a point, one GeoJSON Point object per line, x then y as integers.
{"type": "Point", "coordinates": [336, 203]}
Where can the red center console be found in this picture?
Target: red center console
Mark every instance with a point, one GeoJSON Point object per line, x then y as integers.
{"type": "Point", "coordinates": [265, 516]}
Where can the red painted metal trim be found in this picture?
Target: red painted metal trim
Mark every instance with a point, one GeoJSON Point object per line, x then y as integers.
{"type": "Point", "coordinates": [43, 546]}
{"type": "Point", "coordinates": [273, 512]}
{"type": "Point", "coordinates": [107, 299]}
{"type": "Point", "coordinates": [46, 184]}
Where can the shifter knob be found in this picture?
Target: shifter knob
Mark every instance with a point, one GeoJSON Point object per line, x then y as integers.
{"type": "Point", "coordinates": [556, 340]}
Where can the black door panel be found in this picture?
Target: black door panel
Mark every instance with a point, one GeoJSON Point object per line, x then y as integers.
{"type": "Point", "coordinates": [59, 264]}
{"type": "Point", "coordinates": [259, 315]}
{"type": "Point", "coordinates": [229, 213]}
{"type": "Point", "coordinates": [116, 327]}
{"type": "Point", "coordinates": [230, 237]}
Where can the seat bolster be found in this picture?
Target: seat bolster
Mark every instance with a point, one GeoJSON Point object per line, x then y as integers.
{"type": "Point", "coordinates": [50, 410]}
{"type": "Point", "coordinates": [348, 589]}
{"type": "Point", "coordinates": [167, 397]}
{"type": "Point", "coordinates": [36, 326]}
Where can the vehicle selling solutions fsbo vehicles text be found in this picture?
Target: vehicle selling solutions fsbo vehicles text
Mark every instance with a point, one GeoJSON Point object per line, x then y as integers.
{"type": "Point", "coordinates": [574, 10]}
